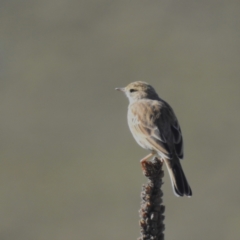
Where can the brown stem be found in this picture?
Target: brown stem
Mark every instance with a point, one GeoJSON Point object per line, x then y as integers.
{"type": "Point", "coordinates": [151, 211]}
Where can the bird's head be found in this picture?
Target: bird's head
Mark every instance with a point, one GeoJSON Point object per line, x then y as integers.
{"type": "Point", "coordinates": [138, 90]}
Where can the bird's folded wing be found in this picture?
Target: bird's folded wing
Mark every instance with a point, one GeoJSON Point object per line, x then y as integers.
{"type": "Point", "coordinates": [158, 125]}
{"type": "Point", "coordinates": [169, 130]}
{"type": "Point", "coordinates": [177, 139]}
{"type": "Point", "coordinates": [143, 126]}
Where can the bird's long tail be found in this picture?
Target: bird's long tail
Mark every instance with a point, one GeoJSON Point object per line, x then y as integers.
{"type": "Point", "coordinates": [179, 182]}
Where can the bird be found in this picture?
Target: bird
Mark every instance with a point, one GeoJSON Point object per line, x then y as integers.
{"type": "Point", "coordinates": [155, 128]}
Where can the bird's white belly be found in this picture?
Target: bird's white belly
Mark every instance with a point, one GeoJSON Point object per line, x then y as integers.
{"type": "Point", "coordinates": [142, 142]}
{"type": "Point", "coordinates": [137, 134]}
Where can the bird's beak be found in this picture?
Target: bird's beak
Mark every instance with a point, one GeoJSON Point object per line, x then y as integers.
{"type": "Point", "coordinates": [120, 89]}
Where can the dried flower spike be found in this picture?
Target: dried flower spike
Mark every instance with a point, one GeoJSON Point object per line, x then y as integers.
{"type": "Point", "coordinates": [151, 212]}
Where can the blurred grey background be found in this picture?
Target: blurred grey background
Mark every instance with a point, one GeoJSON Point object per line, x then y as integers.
{"type": "Point", "coordinates": [69, 167]}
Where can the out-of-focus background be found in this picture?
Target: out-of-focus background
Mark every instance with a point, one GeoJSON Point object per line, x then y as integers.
{"type": "Point", "coordinates": [69, 167]}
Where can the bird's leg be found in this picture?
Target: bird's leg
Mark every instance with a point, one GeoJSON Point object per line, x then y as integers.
{"type": "Point", "coordinates": [147, 157]}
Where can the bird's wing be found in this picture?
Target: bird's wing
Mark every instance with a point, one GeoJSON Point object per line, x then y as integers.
{"type": "Point", "coordinates": [170, 130]}
{"type": "Point", "coordinates": [144, 127]}
{"type": "Point", "coordinates": [156, 123]}
{"type": "Point", "coordinates": [177, 139]}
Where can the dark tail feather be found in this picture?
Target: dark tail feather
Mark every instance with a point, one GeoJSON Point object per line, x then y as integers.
{"type": "Point", "coordinates": [179, 182]}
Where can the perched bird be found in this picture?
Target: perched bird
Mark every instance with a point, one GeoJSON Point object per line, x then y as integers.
{"type": "Point", "coordinates": [155, 127]}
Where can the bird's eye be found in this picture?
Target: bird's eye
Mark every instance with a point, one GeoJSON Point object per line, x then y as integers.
{"type": "Point", "coordinates": [132, 90]}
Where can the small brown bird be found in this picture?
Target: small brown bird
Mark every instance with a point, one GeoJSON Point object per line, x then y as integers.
{"type": "Point", "coordinates": [155, 127]}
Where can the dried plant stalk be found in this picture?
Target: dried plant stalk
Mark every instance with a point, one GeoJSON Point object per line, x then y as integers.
{"type": "Point", "coordinates": [151, 212]}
